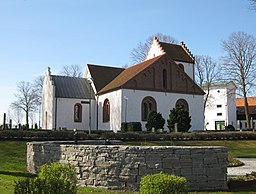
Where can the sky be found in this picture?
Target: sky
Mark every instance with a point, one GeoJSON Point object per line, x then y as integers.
{"type": "Point", "coordinates": [35, 34]}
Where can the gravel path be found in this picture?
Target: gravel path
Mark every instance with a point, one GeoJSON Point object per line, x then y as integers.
{"type": "Point", "coordinates": [250, 166]}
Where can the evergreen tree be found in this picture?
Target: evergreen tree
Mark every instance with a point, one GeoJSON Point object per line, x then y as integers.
{"type": "Point", "coordinates": [155, 120]}
{"type": "Point", "coordinates": [181, 117]}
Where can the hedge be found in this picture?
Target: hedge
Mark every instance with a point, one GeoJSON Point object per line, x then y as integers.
{"type": "Point", "coordinates": [44, 135]}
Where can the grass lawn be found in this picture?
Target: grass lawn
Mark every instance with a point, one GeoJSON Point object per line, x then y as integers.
{"type": "Point", "coordinates": [13, 163]}
{"type": "Point", "coordinates": [238, 148]}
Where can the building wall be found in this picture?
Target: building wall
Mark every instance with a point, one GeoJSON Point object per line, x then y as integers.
{"type": "Point", "coordinates": [65, 114]}
{"type": "Point", "coordinates": [121, 167]}
{"type": "Point", "coordinates": [220, 107]}
{"type": "Point", "coordinates": [165, 102]}
{"type": "Point", "coordinates": [48, 103]}
{"type": "Point", "coordinates": [188, 68]}
{"type": "Point", "coordinates": [115, 111]}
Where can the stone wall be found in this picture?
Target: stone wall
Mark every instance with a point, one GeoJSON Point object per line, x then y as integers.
{"type": "Point", "coordinates": [121, 167]}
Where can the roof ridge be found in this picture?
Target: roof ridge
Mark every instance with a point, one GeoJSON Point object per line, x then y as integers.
{"type": "Point", "coordinates": [64, 76]}
{"type": "Point", "coordinates": [183, 45]}
{"type": "Point", "coordinates": [105, 66]}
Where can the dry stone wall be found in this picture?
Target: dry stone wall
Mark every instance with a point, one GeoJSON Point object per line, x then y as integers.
{"type": "Point", "coordinates": [121, 167]}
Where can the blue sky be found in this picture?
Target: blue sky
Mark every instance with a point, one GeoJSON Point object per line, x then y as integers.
{"type": "Point", "coordinates": [35, 34]}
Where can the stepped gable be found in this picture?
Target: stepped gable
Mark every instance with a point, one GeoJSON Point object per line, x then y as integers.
{"type": "Point", "coordinates": [148, 76]}
{"type": "Point", "coordinates": [102, 75]}
{"type": "Point", "coordinates": [70, 87]}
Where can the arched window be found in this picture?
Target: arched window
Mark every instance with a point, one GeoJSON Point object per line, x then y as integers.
{"type": "Point", "coordinates": [148, 104]}
{"type": "Point", "coordinates": [78, 112]}
{"type": "Point", "coordinates": [164, 79]}
{"type": "Point", "coordinates": [106, 111]}
{"type": "Point", "coordinates": [181, 66]}
{"type": "Point", "coordinates": [181, 103]}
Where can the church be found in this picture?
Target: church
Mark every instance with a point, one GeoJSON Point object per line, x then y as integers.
{"type": "Point", "coordinates": [107, 96]}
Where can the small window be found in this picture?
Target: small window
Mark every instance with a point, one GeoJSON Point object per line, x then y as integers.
{"type": "Point", "coordinates": [181, 66]}
{"type": "Point", "coordinates": [219, 106]}
{"type": "Point", "coordinates": [219, 114]}
{"type": "Point", "coordinates": [148, 104]}
{"type": "Point", "coordinates": [181, 103]}
{"type": "Point", "coordinates": [106, 111]}
{"type": "Point", "coordinates": [78, 112]}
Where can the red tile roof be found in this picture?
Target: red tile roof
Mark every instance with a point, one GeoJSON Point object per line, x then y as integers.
{"type": "Point", "coordinates": [251, 101]}
{"type": "Point", "coordinates": [128, 74]}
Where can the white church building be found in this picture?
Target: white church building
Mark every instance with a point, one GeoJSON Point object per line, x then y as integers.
{"type": "Point", "coordinates": [107, 96]}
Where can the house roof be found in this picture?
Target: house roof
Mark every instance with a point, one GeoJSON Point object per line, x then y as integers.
{"type": "Point", "coordinates": [102, 75]}
{"type": "Point", "coordinates": [70, 87]}
{"type": "Point", "coordinates": [128, 74]}
{"type": "Point", "coordinates": [177, 52]}
{"type": "Point", "coordinates": [251, 101]}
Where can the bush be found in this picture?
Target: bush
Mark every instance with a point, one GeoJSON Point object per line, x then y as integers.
{"type": "Point", "coordinates": [131, 126]}
{"type": "Point", "coordinates": [163, 184]}
{"type": "Point", "coordinates": [181, 117]}
{"type": "Point", "coordinates": [52, 179]}
{"type": "Point", "coordinates": [155, 120]}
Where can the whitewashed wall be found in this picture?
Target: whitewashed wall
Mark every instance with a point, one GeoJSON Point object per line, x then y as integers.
{"type": "Point", "coordinates": [115, 111]}
{"type": "Point", "coordinates": [48, 103]}
{"type": "Point", "coordinates": [223, 95]}
{"type": "Point", "coordinates": [165, 102]}
{"type": "Point", "coordinates": [65, 114]}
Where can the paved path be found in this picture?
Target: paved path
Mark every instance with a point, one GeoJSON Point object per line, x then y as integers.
{"type": "Point", "coordinates": [250, 165]}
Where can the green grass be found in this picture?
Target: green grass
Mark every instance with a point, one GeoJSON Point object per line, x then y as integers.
{"type": "Point", "coordinates": [238, 148]}
{"type": "Point", "coordinates": [13, 163]}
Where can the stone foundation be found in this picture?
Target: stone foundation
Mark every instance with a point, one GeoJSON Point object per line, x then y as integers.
{"type": "Point", "coordinates": [121, 167]}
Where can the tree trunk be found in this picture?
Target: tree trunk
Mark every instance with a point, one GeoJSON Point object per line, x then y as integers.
{"type": "Point", "coordinates": [246, 109]}
{"type": "Point", "coordinates": [27, 112]}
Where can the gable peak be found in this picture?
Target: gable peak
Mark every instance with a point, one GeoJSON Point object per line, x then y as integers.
{"type": "Point", "coordinates": [183, 45]}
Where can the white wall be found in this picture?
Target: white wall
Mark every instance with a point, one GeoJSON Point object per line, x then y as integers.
{"type": "Point", "coordinates": [165, 102]}
{"type": "Point", "coordinates": [115, 111]}
{"type": "Point", "coordinates": [154, 50]}
{"type": "Point", "coordinates": [48, 103]}
{"type": "Point", "coordinates": [224, 96]}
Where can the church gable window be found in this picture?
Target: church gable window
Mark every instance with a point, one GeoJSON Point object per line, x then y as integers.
{"type": "Point", "coordinates": [181, 103]}
{"type": "Point", "coordinates": [106, 111]}
{"type": "Point", "coordinates": [181, 66]}
{"type": "Point", "coordinates": [148, 104]}
{"type": "Point", "coordinates": [78, 112]}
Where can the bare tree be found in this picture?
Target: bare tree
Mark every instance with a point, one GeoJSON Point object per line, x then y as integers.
{"type": "Point", "coordinates": [38, 85]}
{"type": "Point", "coordinates": [207, 71]}
{"type": "Point", "coordinates": [27, 99]}
{"type": "Point", "coordinates": [16, 115]}
{"type": "Point", "coordinates": [139, 53]}
{"type": "Point", "coordinates": [253, 4]}
{"type": "Point", "coordinates": [240, 63]}
{"type": "Point", "coordinates": [72, 71]}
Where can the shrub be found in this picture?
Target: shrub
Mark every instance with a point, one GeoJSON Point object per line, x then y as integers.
{"type": "Point", "coordinates": [131, 126]}
{"type": "Point", "coordinates": [181, 117]}
{"type": "Point", "coordinates": [155, 120]}
{"type": "Point", "coordinates": [53, 178]}
{"type": "Point", "coordinates": [162, 184]}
